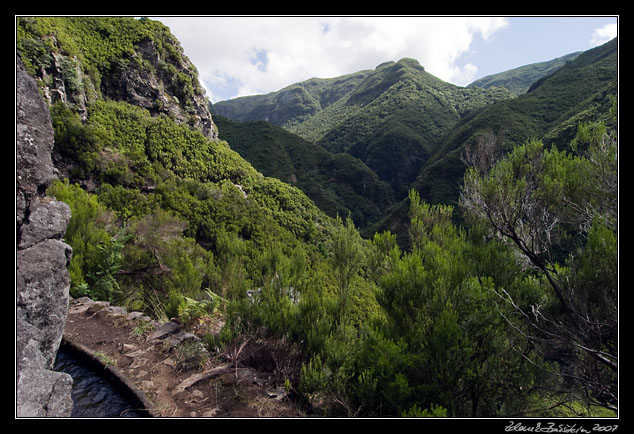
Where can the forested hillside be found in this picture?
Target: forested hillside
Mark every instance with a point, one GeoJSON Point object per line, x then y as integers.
{"type": "Point", "coordinates": [339, 184]}
{"type": "Point", "coordinates": [391, 118]}
{"type": "Point", "coordinates": [512, 312]}
{"type": "Point", "coordinates": [551, 110]}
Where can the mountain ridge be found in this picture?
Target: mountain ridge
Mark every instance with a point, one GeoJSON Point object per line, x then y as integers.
{"type": "Point", "coordinates": [408, 152]}
{"type": "Point", "coordinates": [390, 117]}
{"type": "Point", "coordinates": [518, 80]}
{"type": "Point", "coordinates": [307, 96]}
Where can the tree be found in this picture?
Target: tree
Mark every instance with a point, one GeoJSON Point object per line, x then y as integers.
{"type": "Point", "coordinates": [383, 254]}
{"type": "Point", "coordinates": [347, 258]}
{"type": "Point", "coordinates": [454, 349]}
{"type": "Point", "coordinates": [559, 210]}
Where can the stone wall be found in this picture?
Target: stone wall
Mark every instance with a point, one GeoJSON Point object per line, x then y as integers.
{"type": "Point", "coordinates": [42, 279]}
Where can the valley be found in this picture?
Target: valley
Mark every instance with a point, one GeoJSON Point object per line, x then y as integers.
{"type": "Point", "coordinates": [411, 129]}
{"type": "Point", "coordinates": [378, 244]}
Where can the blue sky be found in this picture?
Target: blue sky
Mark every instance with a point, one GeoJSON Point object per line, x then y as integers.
{"type": "Point", "coordinates": [246, 55]}
{"type": "Point", "coordinates": [530, 40]}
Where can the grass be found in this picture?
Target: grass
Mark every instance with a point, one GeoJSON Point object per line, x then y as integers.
{"type": "Point", "coordinates": [105, 359]}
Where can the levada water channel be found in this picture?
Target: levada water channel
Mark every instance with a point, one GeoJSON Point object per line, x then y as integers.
{"type": "Point", "coordinates": [94, 394]}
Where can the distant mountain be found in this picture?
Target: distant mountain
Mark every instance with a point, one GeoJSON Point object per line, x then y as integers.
{"type": "Point", "coordinates": [551, 110]}
{"type": "Point", "coordinates": [410, 128]}
{"type": "Point", "coordinates": [337, 183]}
{"type": "Point", "coordinates": [391, 118]}
{"type": "Point", "coordinates": [292, 104]}
{"type": "Point", "coordinates": [518, 80]}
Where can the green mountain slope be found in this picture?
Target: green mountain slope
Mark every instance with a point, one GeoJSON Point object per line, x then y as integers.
{"type": "Point", "coordinates": [337, 183]}
{"type": "Point", "coordinates": [291, 105]}
{"type": "Point", "coordinates": [518, 80]}
{"type": "Point", "coordinates": [551, 111]}
{"type": "Point", "coordinates": [391, 118]}
{"type": "Point", "coordinates": [130, 130]}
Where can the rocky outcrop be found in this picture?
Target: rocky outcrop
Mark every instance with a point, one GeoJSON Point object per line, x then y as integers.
{"type": "Point", "coordinates": [62, 80]}
{"type": "Point", "coordinates": [42, 280]}
{"type": "Point", "coordinates": [155, 88]}
{"type": "Point", "coordinates": [149, 78]}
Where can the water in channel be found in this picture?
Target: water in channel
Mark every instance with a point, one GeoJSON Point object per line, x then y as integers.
{"type": "Point", "coordinates": [93, 395]}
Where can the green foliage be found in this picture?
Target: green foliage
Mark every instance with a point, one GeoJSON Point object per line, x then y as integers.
{"type": "Point", "coordinates": [129, 152]}
{"type": "Point", "coordinates": [70, 140]}
{"type": "Point", "coordinates": [382, 256]}
{"type": "Point", "coordinates": [96, 245]}
{"type": "Point", "coordinates": [436, 411]}
{"type": "Point", "coordinates": [102, 281]}
{"type": "Point", "coordinates": [165, 270]}
{"type": "Point", "coordinates": [313, 377]}
{"type": "Point", "coordinates": [337, 183]}
{"type": "Point", "coordinates": [347, 260]}
{"type": "Point", "coordinates": [180, 226]}
{"type": "Point", "coordinates": [436, 339]}
{"type": "Point", "coordinates": [554, 207]}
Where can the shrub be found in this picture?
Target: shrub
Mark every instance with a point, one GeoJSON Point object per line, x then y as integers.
{"type": "Point", "coordinates": [96, 244]}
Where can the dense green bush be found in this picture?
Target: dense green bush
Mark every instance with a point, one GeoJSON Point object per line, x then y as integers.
{"type": "Point", "coordinates": [552, 205]}
{"type": "Point", "coordinates": [439, 343]}
{"type": "Point", "coordinates": [96, 243]}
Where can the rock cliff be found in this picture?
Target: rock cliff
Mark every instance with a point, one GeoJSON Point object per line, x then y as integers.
{"type": "Point", "coordinates": [152, 88]}
{"type": "Point", "coordinates": [163, 81]}
{"type": "Point", "coordinates": [42, 280]}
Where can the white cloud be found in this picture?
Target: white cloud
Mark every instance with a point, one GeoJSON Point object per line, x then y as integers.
{"type": "Point", "coordinates": [603, 34]}
{"type": "Point", "coordinates": [247, 55]}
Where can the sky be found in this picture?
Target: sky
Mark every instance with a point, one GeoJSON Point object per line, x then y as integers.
{"type": "Point", "coordinates": [248, 55]}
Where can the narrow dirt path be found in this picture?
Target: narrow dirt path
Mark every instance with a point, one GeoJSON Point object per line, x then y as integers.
{"type": "Point", "coordinates": [165, 362]}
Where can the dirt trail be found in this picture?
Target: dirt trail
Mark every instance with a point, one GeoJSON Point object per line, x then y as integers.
{"type": "Point", "coordinates": [162, 360]}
